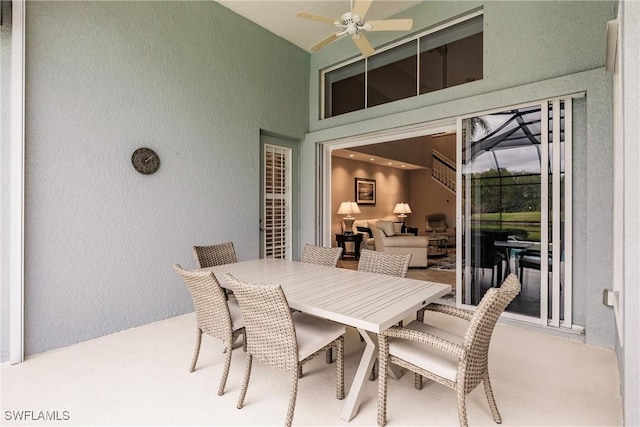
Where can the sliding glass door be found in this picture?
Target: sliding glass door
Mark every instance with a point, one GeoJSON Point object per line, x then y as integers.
{"type": "Point", "coordinates": [515, 191]}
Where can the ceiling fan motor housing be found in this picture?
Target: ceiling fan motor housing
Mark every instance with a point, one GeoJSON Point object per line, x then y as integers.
{"type": "Point", "coordinates": [352, 24]}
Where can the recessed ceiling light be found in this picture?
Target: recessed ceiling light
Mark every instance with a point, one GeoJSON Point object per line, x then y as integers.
{"type": "Point", "coordinates": [372, 159]}
{"type": "Point", "coordinates": [389, 163]}
{"type": "Point", "coordinates": [350, 155]}
{"type": "Point", "coordinates": [403, 166]}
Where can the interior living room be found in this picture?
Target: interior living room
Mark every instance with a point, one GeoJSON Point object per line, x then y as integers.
{"type": "Point", "coordinates": [419, 172]}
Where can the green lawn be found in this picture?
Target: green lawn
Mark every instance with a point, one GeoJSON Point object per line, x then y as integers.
{"type": "Point", "coordinates": [525, 225]}
{"type": "Point", "coordinates": [509, 217]}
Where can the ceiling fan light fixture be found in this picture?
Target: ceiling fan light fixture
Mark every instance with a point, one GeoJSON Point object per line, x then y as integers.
{"type": "Point", "coordinates": [353, 23]}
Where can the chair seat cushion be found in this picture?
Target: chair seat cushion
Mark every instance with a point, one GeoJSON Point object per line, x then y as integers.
{"type": "Point", "coordinates": [426, 356]}
{"type": "Point", "coordinates": [314, 333]}
{"type": "Point", "coordinates": [237, 321]}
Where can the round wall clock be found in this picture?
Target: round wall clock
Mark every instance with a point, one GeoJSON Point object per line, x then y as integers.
{"type": "Point", "coordinates": [145, 160]}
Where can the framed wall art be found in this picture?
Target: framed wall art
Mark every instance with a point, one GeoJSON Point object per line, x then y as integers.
{"type": "Point", "coordinates": [365, 191]}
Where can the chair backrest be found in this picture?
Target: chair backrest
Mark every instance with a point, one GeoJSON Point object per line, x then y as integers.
{"type": "Point", "coordinates": [384, 263]}
{"type": "Point", "coordinates": [532, 258]}
{"type": "Point", "coordinates": [484, 253]}
{"type": "Point", "coordinates": [210, 256]}
{"type": "Point", "coordinates": [478, 335]}
{"type": "Point", "coordinates": [269, 331]}
{"type": "Point", "coordinates": [212, 311]}
{"type": "Point", "coordinates": [321, 255]}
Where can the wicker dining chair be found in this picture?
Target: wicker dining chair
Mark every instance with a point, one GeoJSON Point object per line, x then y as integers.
{"type": "Point", "coordinates": [215, 316]}
{"type": "Point", "coordinates": [384, 263]}
{"type": "Point", "coordinates": [460, 363]}
{"type": "Point", "coordinates": [321, 255]}
{"type": "Point", "coordinates": [210, 256]}
{"type": "Point", "coordinates": [282, 339]}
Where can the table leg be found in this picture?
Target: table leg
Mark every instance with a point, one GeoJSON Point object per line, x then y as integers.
{"type": "Point", "coordinates": [369, 355]}
{"type": "Point", "coordinates": [356, 245]}
{"type": "Point", "coordinates": [344, 249]}
{"type": "Point", "coordinates": [507, 270]}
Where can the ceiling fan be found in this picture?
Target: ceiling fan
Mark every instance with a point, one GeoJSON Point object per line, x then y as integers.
{"type": "Point", "coordinates": [352, 23]}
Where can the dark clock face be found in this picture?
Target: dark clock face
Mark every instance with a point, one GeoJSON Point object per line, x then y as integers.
{"type": "Point", "coordinates": [145, 160]}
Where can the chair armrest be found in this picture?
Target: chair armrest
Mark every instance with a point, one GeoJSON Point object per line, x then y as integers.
{"type": "Point", "coordinates": [452, 311]}
{"type": "Point", "coordinates": [420, 337]}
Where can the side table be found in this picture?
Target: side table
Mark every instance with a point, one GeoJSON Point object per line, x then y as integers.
{"type": "Point", "coordinates": [437, 246]}
{"type": "Point", "coordinates": [412, 230]}
{"type": "Point", "coordinates": [356, 238]}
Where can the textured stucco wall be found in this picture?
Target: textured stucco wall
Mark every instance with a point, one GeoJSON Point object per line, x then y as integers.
{"type": "Point", "coordinates": [192, 80]}
{"type": "Point", "coordinates": [628, 354]}
{"type": "Point", "coordinates": [524, 42]}
{"type": "Point", "coordinates": [532, 51]}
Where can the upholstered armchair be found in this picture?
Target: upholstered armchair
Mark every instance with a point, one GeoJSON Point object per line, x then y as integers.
{"type": "Point", "coordinates": [437, 224]}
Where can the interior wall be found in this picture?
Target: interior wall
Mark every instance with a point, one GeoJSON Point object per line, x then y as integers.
{"type": "Point", "coordinates": [104, 78]}
{"type": "Point", "coordinates": [436, 198]}
{"type": "Point", "coordinates": [428, 196]}
{"type": "Point", "coordinates": [392, 186]}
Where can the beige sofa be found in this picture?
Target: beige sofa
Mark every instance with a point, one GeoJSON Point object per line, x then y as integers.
{"type": "Point", "coordinates": [367, 240]}
{"type": "Point", "coordinates": [387, 240]}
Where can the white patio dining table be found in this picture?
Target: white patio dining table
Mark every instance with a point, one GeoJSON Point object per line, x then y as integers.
{"type": "Point", "coordinates": [366, 301]}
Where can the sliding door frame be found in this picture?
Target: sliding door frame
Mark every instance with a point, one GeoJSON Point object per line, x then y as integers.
{"type": "Point", "coordinates": [377, 137]}
{"type": "Point", "coordinates": [463, 215]}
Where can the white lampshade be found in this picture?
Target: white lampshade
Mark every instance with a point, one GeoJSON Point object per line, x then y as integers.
{"type": "Point", "coordinates": [348, 208]}
{"type": "Point", "coordinates": [402, 209]}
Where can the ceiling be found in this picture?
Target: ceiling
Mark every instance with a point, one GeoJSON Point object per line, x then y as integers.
{"type": "Point", "coordinates": [279, 17]}
{"type": "Point", "coordinates": [378, 160]}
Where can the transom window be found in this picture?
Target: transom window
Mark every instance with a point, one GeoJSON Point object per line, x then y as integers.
{"type": "Point", "coordinates": [448, 55]}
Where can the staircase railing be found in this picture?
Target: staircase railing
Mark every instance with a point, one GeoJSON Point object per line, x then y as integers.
{"type": "Point", "coordinates": [444, 170]}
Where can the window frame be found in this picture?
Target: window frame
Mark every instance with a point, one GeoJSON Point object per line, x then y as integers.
{"type": "Point", "coordinates": [416, 37]}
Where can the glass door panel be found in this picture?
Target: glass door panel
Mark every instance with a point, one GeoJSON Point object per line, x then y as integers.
{"type": "Point", "coordinates": [513, 207]}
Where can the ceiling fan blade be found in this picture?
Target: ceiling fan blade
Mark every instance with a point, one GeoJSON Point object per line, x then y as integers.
{"type": "Point", "coordinates": [390, 25]}
{"type": "Point", "coordinates": [314, 17]}
{"type": "Point", "coordinates": [363, 44]}
{"type": "Point", "coordinates": [361, 7]}
{"type": "Point", "coordinates": [322, 43]}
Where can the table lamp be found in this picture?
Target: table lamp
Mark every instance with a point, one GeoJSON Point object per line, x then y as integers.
{"type": "Point", "coordinates": [402, 209]}
{"type": "Point", "coordinates": [347, 208]}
